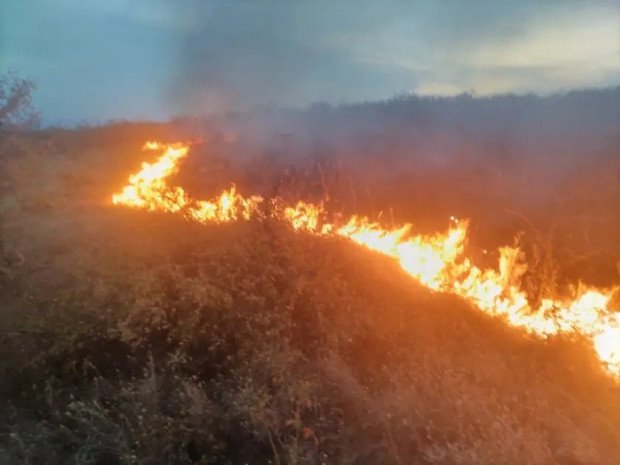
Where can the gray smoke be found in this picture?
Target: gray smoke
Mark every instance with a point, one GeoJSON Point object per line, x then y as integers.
{"type": "Point", "coordinates": [235, 55]}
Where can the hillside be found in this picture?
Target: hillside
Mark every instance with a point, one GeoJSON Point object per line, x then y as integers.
{"type": "Point", "coordinates": [133, 338]}
{"type": "Point", "coordinates": [132, 335]}
{"type": "Point", "coordinates": [140, 338]}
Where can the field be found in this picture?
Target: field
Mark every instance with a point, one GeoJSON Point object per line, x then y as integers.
{"type": "Point", "coordinates": [133, 337]}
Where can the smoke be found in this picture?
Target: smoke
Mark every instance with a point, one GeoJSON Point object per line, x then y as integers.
{"type": "Point", "coordinates": [163, 57]}
{"type": "Point", "coordinates": [236, 55]}
{"type": "Point", "coordinates": [241, 54]}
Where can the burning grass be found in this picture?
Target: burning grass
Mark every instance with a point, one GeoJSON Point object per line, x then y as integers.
{"type": "Point", "coordinates": [138, 337]}
{"type": "Point", "coordinates": [436, 260]}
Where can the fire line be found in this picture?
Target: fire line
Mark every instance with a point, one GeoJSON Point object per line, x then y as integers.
{"type": "Point", "coordinates": [437, 261]}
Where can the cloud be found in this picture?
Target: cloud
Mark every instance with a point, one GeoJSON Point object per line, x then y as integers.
{"type": "Point", "coordinates": [246, 53]}
{"type": "Point", "coordinates": [564, 52]}
{"type": "Point", "coordinates": [109, 58]}
{"type": "Point", "coordinates": [593, 40]}
{"type": "Point", "coordinates": [518, 48]}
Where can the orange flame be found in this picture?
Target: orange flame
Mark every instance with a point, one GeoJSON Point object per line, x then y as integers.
{"type": "Point", "coordinates": [436, 261]}
{"type": "Point", "coordinates": [148, 190]}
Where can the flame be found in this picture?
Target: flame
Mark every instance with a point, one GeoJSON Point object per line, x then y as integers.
{"type": "Point", "coordinates": [437, 261]}
{"type": "Point", "coordinates": [148, 190]}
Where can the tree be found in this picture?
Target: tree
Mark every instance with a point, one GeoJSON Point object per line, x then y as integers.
{"type": "Point", "coordinates": [16, 110]}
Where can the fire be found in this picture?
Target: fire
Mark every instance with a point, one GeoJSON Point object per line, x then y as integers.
{"type": "Point", "coordinates": [148, 189]}
{"type": "Point", "coordinates": [437, 261]}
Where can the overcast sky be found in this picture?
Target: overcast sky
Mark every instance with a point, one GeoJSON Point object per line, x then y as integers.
{"type": "Point", "coordinates": [100, 59]}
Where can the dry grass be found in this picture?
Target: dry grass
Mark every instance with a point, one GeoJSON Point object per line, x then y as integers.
{"type": "Point", "coordinates": [142, 339]}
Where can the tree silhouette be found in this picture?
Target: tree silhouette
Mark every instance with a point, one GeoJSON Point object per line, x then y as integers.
{"type": "Point", "coordinates": [16, 109]}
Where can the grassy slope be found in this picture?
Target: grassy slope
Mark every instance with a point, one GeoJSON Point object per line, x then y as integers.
{"type": "Point", "coordinates": [143, 339]}
{"type": "Point", "coordinates": [133, 336]}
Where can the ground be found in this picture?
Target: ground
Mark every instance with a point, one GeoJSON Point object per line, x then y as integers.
{"type": "Point", "coordinates": [137, 338]}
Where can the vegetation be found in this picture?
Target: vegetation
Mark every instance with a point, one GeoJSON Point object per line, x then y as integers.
{"type": "Point", "coordinates": [140, 339]}
{"type": "Point", "coordinates": [16, 110]}
{"type": "Point", "coordinates": [134, 338]}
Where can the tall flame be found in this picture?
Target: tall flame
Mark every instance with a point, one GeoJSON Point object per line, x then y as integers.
{"type": "Point", "coordinates": [436, 261]}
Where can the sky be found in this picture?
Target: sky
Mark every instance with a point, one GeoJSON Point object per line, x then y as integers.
{"type": "Point", "coordinates": [150, 59]}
